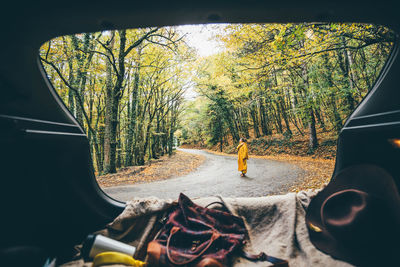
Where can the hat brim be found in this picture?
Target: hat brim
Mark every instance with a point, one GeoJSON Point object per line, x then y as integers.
{"type": "Point", "coordinates": [367, 178]}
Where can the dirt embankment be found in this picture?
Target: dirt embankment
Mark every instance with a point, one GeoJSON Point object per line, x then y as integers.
{"type": "Point", "coordinates": [180, 163]}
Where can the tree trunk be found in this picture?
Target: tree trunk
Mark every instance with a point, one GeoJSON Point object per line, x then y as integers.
{"type": "Point", "coordinates": [285, 118]}
{"type": "Point", "coordinates": [110, 122]}
{"type": "Point", "coordinates": [313, 133]}
{"type": "Point", "coordinates": [313, 144]}
{"type": "Point", "coordinates": [133, 114]}
{"type": "Point", "coordinates": [337, 121]}
{"type": "Point", "coordinates": [255, 121]}
{"type": "Point", "coordinates": [264, 119]}
{"type": "Point", "coordinates": [71, 93]}
{"type": "Point", "coordinates": [344, 63]}
{"type": "Point", "coordinates": [278, 120]}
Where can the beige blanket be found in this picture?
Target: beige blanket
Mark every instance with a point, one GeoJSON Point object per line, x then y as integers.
{"type": "Point", "coordinates": [276, 226]}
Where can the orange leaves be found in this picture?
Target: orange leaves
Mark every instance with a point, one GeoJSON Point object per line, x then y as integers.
{"type": "Point", "coordinates": [160, 169]}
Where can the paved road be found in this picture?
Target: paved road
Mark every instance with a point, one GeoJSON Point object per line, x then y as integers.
{"type": "Point", "coordinates": [218, 175]}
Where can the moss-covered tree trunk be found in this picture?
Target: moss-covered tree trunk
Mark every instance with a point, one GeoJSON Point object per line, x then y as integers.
{"type": "Point", "coordinates": [110, 120]}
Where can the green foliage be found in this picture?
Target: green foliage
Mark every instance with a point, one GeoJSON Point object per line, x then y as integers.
{"type": "Point", "coordinates": [125, 87]}
{"type": "Point", "coordinates": [285, 78]}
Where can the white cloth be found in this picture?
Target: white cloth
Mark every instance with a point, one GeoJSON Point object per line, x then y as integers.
{"type": "Point", "coordinates": [276, 226]}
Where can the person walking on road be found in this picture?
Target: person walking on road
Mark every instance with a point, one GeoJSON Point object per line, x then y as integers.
{"type": "Point", "coordinates": [243, 156]}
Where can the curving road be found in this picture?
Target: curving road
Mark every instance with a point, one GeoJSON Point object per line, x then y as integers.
{"type": "Point", "coordinates": [218, 175]}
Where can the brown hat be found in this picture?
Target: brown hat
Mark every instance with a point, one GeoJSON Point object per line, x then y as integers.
{"type": "Point", "coordinates": [356, 218]}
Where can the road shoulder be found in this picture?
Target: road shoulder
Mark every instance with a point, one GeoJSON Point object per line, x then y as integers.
{"type": "Point", "coordinates": [156, 170]}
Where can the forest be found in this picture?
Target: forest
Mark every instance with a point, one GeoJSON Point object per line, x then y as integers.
{"type": "Point", "coordinates": [127, 88]}
{"type": "Point", "coordinates": [286, 79]}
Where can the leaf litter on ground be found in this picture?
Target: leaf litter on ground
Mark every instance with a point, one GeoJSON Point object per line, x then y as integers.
{"type": "Point", "coordinates": [178, 164]}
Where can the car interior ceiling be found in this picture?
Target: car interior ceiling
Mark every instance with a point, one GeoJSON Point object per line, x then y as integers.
{"type": "Point", "coordinates": [50, 198]}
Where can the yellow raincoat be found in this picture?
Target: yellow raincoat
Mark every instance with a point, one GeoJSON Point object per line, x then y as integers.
{"type": "Point", "coordinates": [243, 156]}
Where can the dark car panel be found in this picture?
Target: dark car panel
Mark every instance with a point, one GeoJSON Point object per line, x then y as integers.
{"type": "Point", "coordinates": [50, 198]}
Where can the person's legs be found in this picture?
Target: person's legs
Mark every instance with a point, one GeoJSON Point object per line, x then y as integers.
{"type": "Point", "coordinates": [244, 170]}
{"type": "Point", "coordinates": [242, 167]}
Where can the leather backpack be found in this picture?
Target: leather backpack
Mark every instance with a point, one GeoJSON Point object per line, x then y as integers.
{"type": "Point", "coordinates": [199, 236]}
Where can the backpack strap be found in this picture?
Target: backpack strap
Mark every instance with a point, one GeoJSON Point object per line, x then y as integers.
{"type": "Point", "coordinates": [219, 203]}
{"type": "Point", "coordinates": [255, 257]}
{"type": "Point", "coordinates": [175, 229]}
{"type": "Point", "coordinates": [264, 257]}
